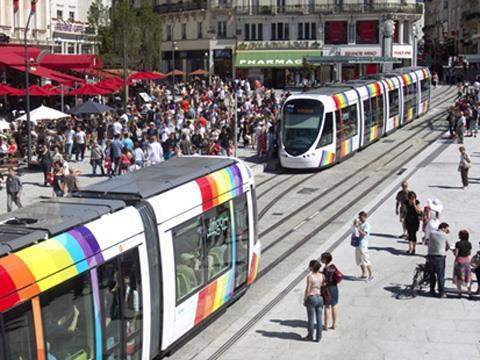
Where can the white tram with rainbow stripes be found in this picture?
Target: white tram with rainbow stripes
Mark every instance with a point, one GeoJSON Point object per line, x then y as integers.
{"type": "Point", "coordinates": [130, 267]}
{"type": "Point", "coordinates": [324, 126]}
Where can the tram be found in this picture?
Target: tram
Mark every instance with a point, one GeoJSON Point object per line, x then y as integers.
{"type": "Point", "coordinates": [129, 268]}
{"type": "Point", "coordinates": [324, 126]}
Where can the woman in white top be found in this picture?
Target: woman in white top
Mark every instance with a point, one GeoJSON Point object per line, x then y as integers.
{"type": "Point", "coordinates": [464, 166]}
{"type": "Point", "coordinates": [313, 300]}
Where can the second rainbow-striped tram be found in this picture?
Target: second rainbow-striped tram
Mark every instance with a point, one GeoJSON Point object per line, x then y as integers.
{"type": "Point", "coordinates": [324, 126]}
{"type": "Point", "coordinates": [130, 267]}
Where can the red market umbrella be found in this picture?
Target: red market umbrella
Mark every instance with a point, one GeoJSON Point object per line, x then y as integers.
{"type": "Point", "coordinates": [35, 90]}
{"type": "Point", "coordinates": [176, 73]}
{"type": "Point", "coordinates": [90, 90]}
{"type": "Point", "coordinates": [7, 90]}
{"type": "Point", "coordinates": [199, 72]}
{"type": "Point", "coordinates": [146, 75]}
{"type": "Point", "coordinates": [109, 85]}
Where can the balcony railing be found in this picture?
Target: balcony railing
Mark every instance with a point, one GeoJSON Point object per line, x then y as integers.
{"type": "Point", "coordinates": [192, 5]}
{"type": "Point", "coordinates": [331, 9]}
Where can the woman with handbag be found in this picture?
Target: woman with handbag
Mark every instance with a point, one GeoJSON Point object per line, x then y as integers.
{"type": "Point", "coordinates": [464, 166]}
{"type": "Point", "coordinates": [313, 300]}
{"type": "Point", "coordinates": [332, 277]}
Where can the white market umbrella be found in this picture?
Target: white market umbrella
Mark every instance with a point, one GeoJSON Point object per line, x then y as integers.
{"type": "Point", "coordinates": [43, 113]}
{"type": "Point", "coordinates": [4, 124]}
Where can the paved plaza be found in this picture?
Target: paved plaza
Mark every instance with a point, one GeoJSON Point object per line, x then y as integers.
{"type": "Point", "coordinates": [379, 319]}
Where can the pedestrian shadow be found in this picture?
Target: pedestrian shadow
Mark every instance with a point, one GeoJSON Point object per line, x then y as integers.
{"type": "Point", "coordinates": [446, 187]}
{"type": "Point", "coordinates": [399, 291]}
{"type": "Point", "coordinates": [291, 323]}
{"type": "Point", "coordinates": [281, 335]}
{"type": "Point", "coordinates": [392, 251]}
{"type": "Point", "coordinates": [389, 236]}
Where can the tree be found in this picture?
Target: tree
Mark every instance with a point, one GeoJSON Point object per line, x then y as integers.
{"type": "Point", "coordinates": [139, 29]}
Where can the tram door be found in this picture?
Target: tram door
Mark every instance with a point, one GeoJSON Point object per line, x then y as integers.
{"type": "Point", "coordinates": [338, 134]}
{"type": "Point", "coordinates": [242, 240]}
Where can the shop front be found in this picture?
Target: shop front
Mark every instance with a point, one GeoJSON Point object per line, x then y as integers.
{"type": "Point", "coordinates": [274, 68]}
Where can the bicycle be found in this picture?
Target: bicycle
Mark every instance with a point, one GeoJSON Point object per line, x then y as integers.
{"type": "Point", "coordinates": [421, 277]}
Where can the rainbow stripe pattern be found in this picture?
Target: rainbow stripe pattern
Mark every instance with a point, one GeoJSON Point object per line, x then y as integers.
{"type": "Point", "coordinates": [407, 79]}
{"type": "Point", "coordinates": [373, 133]}
{"type": "Point", "coordinates": [327, 158]}
{"type": "Point", "coordinates": [35, 269]}
{"type": "Point", "coordinates": [374, 89]}
{"type": "Point", "coordinates": [252, 274]}
{"type": "Point", "coordinates": [214, 296]}
{"type": "Point", "coordinates": [341, 101]}
{"type": "Point", "coordinates": [346, 147]}
{"type": "Point", "coordinates": [390, 84]}
{"type": "Point", "coordinates": [409, 114]}
{"type": "Point", "coordinates": [425, 72]}
{"type": "Point", "coordinates": [220, 186]}
{"type": "Point", "coordinates": [396, 121]}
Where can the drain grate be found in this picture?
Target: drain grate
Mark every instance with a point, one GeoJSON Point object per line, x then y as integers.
{"type": "Point", "coordinates": [307, 190]}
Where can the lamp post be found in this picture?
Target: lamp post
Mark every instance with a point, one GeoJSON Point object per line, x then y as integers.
{"type": "Point", "coordinates": [27, 83]}
{"type": "Point", "coordinates": [174, 44]}
{"type": "Point", "coordinates": [124, 60]}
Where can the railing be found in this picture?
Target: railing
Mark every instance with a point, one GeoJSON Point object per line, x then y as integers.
{"type": "Point", "coordinates": [331, 9]}
{"type": "Point", "coordinates": [192, 5]}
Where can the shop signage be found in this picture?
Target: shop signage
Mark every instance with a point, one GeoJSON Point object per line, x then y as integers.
{"type": "Point", "coordinates": [279, 44]}
{"type": "Point", "coordinates": [272, 62]}
{"type": "Point", "coordinates": [402, 52]}
{"type": "Point", "coordinates": [69, 27]}
{"type": "Point", "coordinates": [279, 59]}
{"type": "Point", "coordinates": [360, 52]}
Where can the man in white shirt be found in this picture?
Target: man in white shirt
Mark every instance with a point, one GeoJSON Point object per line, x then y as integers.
{"type": "Point", "coordinates": [117, 128]}
{"type": "Point", "coordinates": [155, 151]}
{"type": "Point", "coordinates": [80, 144]}
{"type": "Point", "coordinates": [69, 133]}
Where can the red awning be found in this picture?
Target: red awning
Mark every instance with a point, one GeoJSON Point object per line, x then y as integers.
{"type": "Point", "coordinates": [35, 90]}
{"type": "Point", "coordinates": [70, 62]}
{"type": "Point", "coordinates": [46, 73]}
{"type": "Point", "coordinates": [147, 75]}
{"type": "Point", "coordinates": [7, 90]}
{"type": "Point", "coordinates": [90, 90]}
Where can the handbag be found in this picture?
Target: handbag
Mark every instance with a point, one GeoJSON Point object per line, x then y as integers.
{"type": "Point", "coordinates": [50, 178]}
{"type": "Point", "coordinates": [355, 240]}
{"type": "Point", "coordinates": [325, 293]}
{"type": "Point", "coordinates": [337, 276]}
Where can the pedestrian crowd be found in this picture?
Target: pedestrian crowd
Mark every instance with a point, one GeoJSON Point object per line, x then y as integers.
{"type": "Point", "coordinates": [195, 119]}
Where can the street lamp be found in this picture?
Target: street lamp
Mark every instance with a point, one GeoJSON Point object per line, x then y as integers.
{"type": "Point", "coordinates": [27, 82]}
{"type": "Point", "coordinates": [174, 45]}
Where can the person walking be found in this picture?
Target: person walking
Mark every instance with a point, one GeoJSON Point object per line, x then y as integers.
{"type": "Point", "coordinates": [460, 127]}
{"type": "Point", "coordinates": [45, 160]}
{"type": "Point", "coordinates": [331, 274]}
{"type": "Point", "coordinates": [464, 165]}
{"type": "Point", "coordinates": [80, 144]}
{"type": "Point", "coordinates": [412, 221]}
{"type": "Point", "coordinates": [437, 252]}
{"type": "Point", "coordinates": [313, 301]}
{"type": "Point", "coordinates": [117, 146]}
{"type": "Point", "coordinates": [401, 206]}
{"type": "Point", "coordinates": [361, 251]}
{"type": "Point", "coordinates": [475, 262]}
{"type": "Point", "coordinates": [14, 188]}
{"type": "Point", "coordinates": [96, 158]}
{"type": "Point", "coordinates": [462, 273]}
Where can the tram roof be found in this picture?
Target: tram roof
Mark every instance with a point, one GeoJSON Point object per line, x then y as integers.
{"type": "Point", "coordinates": [157, 179]}
{"type": "Point", "coordinates": [47, 218]}
{"type": "Point", "coordinates": [329, 90]}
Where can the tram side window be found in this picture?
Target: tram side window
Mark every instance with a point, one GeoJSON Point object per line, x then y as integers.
{"type": "Point", "coordinates": [189, 257]}
{"type": "Point", "coordinates": [240, 206]}
{"type": "Point", "coordinates": [18, 331]}
{"type": "Point", "coordinates": [349, 120]}
{"type": "Point", "coordinates": [327, 133]}
{"type": "Point", "coordinates": [425, 88]}
{"type": "Point", "coordinates": [394, 102]}
{"type": "Point", "coordinates": [367, 109]}
{"type": "Point", "coordinates": [68, 320]}
{"type": "Point", "coordinates": [119, 281]}
{"type": "Point", "coordinates": [218, 231]}
{"type": "Point", "coordinates": [377, 110]}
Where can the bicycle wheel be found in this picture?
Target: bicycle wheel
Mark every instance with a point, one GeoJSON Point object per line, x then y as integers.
{"type": "Point", "coordinates": [415, 284]}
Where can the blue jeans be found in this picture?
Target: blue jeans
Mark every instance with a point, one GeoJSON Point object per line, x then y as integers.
{"type": "Point", "coordinates": [68, 150]}
{"type": "Point", "coordinates": [314, 311]}
{"type": "Point", "coordinates": [437, 264]}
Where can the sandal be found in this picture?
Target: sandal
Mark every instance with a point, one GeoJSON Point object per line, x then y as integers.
{"type": "Point", "coordinates": [325, 328]}
{"type": "Point", "coordinates": [333, 327]}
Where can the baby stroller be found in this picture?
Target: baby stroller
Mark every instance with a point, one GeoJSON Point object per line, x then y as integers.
{"type": "Point", "coordinates": [421, 277]}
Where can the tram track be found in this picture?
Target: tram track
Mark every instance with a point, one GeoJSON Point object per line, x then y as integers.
{"type": "Point", "coordinates": [269, 306]}
{"type": "Point", "coordinates": [438, 100]}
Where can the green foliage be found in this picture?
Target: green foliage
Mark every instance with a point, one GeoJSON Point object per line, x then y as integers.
{"type": "Point", "coordinates": [138, 29]}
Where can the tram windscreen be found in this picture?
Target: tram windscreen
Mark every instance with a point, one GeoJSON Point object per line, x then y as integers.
{"type": "Point", "coordinates": [301, 123]}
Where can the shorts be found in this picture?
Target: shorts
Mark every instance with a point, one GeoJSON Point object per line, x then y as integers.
{"type": "Point", "coordinates": [361, 256]}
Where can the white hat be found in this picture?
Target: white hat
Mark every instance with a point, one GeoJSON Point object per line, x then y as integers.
{"type": "Point", "coordinates": [435, 205]}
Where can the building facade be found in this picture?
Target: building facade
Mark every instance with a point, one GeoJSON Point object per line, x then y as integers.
{"type": "Point", "coordinates": [452, 27]}
{"type": "Point", "coordinates": [268, 39]}
{"type": "Point", "coordinates": [57, 25]}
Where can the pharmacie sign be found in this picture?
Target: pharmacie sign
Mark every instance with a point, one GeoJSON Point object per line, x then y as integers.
{"type": "Point", "coordinates": [266, 59]}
